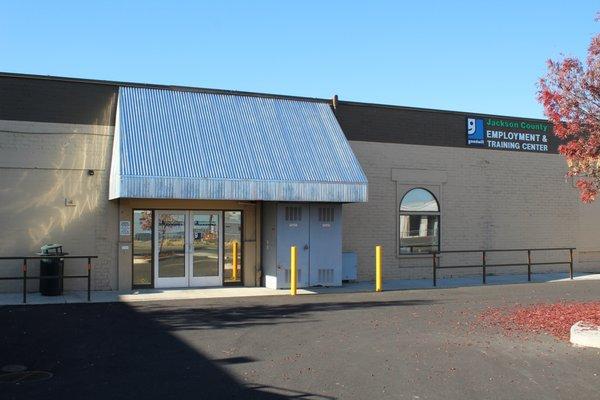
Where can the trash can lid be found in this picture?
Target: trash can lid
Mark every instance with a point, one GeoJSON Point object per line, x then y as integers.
{"type": "Point", "coordinates": [51, 247]}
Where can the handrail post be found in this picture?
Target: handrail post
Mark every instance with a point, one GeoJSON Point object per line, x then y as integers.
{"type": "Point", "coordinates": [483, 266]}
{"type": "Point", "coordinates": [528, 265]}
{"type": "Point", "coordinates": [89, 278]}
{"type": "Point", "coordinates": [434, 269]}
{"type": "Point", "coordinates": [571, 263]}
{"type": "Point", "coordinates": [24, 280]}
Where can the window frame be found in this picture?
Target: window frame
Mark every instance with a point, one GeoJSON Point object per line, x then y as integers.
{"type": "Point", "coordinates": [151, 284]}
{"type": "Point", "coordinates": [401, 213]}
{"type": "Point", "coordinates": [242, 269]}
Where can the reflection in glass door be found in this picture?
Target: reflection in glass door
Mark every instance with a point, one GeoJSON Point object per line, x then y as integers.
{"type": "Point", "coordinates": [142, 248]}
{"type": "Point", "coordinates": [205, 253]}
{"type": "Point", "coordinates": [170, 249]}
{"type": "Point", "coordinates": [188, 248]}
{"type": "Point", "coordinates": [232, 232]}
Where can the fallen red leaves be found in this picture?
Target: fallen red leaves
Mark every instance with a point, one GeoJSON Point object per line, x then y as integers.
{"type": "Point", "coordinates": [555, 319]}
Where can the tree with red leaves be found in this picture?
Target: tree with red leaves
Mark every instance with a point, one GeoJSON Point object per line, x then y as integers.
{"type": "Point", "coordinates": [570, 94]}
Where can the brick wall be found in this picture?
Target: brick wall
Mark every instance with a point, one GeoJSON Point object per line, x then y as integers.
{"type": "Point", "coordinates": [41, 165]}
{"type": "Point", "coordinates": [489, 199]}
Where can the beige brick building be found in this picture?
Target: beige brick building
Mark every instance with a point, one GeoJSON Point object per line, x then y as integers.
{"type": "Point", "coordinates": [488, 200]}
{"type": "Point", "coordinates": [57, 148]}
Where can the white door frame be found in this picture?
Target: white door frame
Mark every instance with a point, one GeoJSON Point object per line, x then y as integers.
{"type": "Point", "coordinates": [176, 281]}
{"type": "Point", "coordinates": [188, 280]}
{"type": "Point", "coordinates": [201, 281]}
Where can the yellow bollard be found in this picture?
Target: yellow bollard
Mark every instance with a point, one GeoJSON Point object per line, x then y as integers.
{"type": "Point", "coordinates": [378, 268]}
{"type": "Point", "coordinates": [234, 261]}
{"type": "Point", "coordinates": [294, 272]}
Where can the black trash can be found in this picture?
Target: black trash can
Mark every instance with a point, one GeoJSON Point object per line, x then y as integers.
{"type": "Point", "coordinates": [52, 270]}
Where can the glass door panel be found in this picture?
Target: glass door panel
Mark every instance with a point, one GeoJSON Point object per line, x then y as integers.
{"type": "Point", "coordinates": [170, 249]}
{"type": "Point", "coordinates": [142, 248]}
{"type": "Point", "coordinates": [232, 230]}
{"type": "Point", "coordinates": [205, 240]}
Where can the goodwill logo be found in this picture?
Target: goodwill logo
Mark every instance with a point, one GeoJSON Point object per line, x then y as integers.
{"type": "Point", "coordinates": [475, 132]}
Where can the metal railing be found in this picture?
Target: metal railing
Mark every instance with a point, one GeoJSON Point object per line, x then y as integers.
{"type": "Point", "coordinates": [24, 277]}
{"type": "Point", "coordinates": [484, 264]}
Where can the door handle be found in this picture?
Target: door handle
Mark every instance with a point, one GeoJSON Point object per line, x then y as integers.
{"type": "Point", "coordinates": [305, 247]}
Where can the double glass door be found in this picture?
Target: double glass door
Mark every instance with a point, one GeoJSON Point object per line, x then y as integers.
{"type": "Point", "coordinates": [188, 248]}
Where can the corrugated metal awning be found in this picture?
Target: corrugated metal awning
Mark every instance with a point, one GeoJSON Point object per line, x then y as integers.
{"type": "Point", "coordinates": [195, 145]}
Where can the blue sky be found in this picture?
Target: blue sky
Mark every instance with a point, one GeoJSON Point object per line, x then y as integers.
{"type": "Point", "coordinates": [478, 56]}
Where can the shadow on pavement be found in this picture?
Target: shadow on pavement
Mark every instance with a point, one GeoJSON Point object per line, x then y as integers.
{"type": "Point", "coordinates": [190, 318]}
{"type": "Point", "coordinates": [118, 351]}
{"type": "Point", "coordinates": [111, 351]}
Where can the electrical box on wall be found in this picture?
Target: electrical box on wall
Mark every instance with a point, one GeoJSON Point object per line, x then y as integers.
{"type": "Point", "coordinates": [316, 231]}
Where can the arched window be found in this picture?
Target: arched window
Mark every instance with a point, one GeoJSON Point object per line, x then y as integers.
{"type": "Point", "coordinates": [419, 222]}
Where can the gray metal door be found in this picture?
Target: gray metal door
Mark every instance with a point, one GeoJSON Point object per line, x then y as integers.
{"type": "Point", "coordinates": [325, 244]}
{"type": "Point", "coordinates": [292, 230]}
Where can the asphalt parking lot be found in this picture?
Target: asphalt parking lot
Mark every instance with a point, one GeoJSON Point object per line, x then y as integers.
{"type": "Point", "coordinates": [413, 344]}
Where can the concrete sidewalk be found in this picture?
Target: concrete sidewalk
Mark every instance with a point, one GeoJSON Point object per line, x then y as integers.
{"type": "Point", "coordinates": [408, 284]}
{"type": "Point", "coordinates": [228, 292]}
